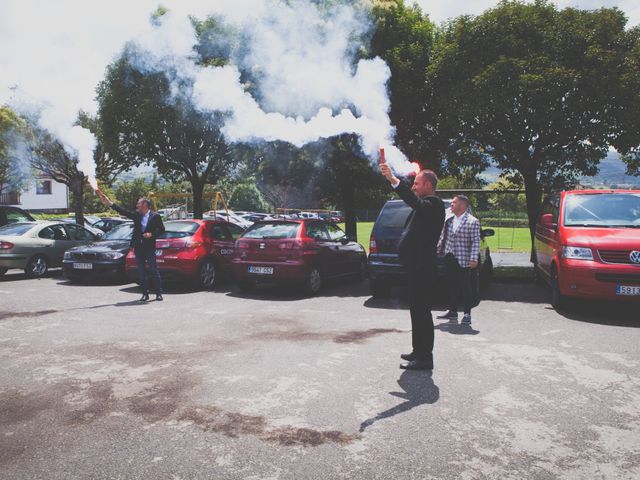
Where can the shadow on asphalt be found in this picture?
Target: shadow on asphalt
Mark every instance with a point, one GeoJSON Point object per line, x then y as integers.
{"type": "Point", "coordinates": [273, 292]}
{"type": "Point", "coordinates": [602, 313]}
{"type": "Point", "coordinates": [456, 328]}
{"type": "Point", "coordinates": [19, 275]}
{"type": "Point", "coordinates": [418, 389]}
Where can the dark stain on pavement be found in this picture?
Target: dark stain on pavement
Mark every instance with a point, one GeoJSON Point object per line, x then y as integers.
{"type": "Point", "coordinates": [232, 424]}
{"type": "Point", "coordinates": [17, 407]}
{"type": "Point", "coordinates": [353, 336]}
{"type": "Point", "coordinates": [161, 401]}
{"type": "Point", "coordinates": [39, 313]}
{"type": "Point", "coordinates": [101, 402]}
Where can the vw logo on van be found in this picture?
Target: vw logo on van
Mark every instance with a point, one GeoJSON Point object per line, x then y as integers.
{"type": "Point", "coordinates": [634, 256]}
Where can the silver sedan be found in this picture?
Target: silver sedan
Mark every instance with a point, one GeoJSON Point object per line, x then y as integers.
{"type": "Point", "coordinates": [38, 246]}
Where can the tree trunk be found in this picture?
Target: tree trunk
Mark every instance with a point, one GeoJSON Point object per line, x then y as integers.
{"type": "Point", "coordinates": [198, 189]}
{"type": "Point", "coordinates": [350, 220]}
{"type": "Point", "coordinates": [533, 193]}
{"type": "Point", "coordinates": [77, 187]}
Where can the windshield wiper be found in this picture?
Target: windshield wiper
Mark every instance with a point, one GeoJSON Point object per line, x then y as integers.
{"type": "Point", "coordinates": [593, 225]}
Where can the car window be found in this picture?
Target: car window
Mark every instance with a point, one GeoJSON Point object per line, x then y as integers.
{"type": "Point", "coordinates": [335, 233]}
{"type": "Point", "coordinates": [317, 231]}
{"type": "Point", "coordinates": [121, 232]}
{"type": "Point", "coordinates": [394, 215]}
{"type": "Point", "coordinates": [15, 229]}
{"type": "Point", "coordinates": [602, 209]}
{"type": "Point", "coordinates": [219, 232]}
{"type": "Point", "coordinates": [54, 232]}
{"type": "Point", "coordinates": [182, 227]}
{"type": "Point", "coordinates": [235, 231]}
{"type": "Point", "coordinates": [78, 233]}
{"type": "Point", "coordinates": [274, 230]}
{"type": "Point", "coordinates": [14, 215]}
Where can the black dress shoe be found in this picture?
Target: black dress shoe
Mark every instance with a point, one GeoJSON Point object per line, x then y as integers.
{"type": "Point", "coordinates": [408, 356]}
{"type": "Point", "coordinates": [159, 297]}
{"type": "Point", "coordinates": [417, 365]}
{"type": "Point", "coordinates": [144, 297]}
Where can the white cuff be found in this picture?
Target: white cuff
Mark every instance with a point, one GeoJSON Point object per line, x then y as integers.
{"type": "Point", "coordinates": [395, 185]}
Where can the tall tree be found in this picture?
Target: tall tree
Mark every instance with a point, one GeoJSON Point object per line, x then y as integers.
{"type": "Point", "coordinates": [14, 170]}
{"type": "Point", "coordinates": [48, 155]}
{"type": "Point", "coordinates": [143, 120]}
{"type": "Point", "coordinates": [537, 89]}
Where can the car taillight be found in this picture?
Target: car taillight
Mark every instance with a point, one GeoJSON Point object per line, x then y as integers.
{"type": "Point", "coordinates": [131, 254]}
{"type": "Point", "coordinates": [373, 246]}
{"type": "Point", "coordinates": [6, 245]}
{"type": "Point", "coordinates": [193, 244]}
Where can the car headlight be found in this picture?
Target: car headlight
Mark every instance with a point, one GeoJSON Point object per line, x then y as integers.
{"type": "Point", "coordinates": [112, 255]}
{"type": "Point", "coordinates": [577, 253]}
{"type": "Point", "coordinates": [67, 256]}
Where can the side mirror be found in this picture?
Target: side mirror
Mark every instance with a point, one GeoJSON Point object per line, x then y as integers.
{"type": "Point", "coordinates": [345, 240]}
{"type": "Point", "coordinates": [547, 221]}
{"type": "Point", "coordinates": [487, 232]}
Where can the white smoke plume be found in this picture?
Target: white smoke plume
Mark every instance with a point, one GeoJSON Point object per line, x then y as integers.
{"type": "Point", "coordinates": [307, 86]}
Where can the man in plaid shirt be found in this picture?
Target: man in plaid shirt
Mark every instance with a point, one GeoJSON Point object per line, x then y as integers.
{"type": "Point", "coordinates": [460, 244]}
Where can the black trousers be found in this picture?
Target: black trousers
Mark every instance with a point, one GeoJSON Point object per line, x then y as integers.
{"type": "Point", "coordinates": [146, 257]}
{"type": "Point", "coordinates": [460, 284]}
{"type": "Point", "coordinates": [420, 292]}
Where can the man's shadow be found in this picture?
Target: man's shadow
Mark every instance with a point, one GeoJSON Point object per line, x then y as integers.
{"type": "Point", "coordinates": [419, 389]}
{"type": "Point", "coordinates": [456, 328]}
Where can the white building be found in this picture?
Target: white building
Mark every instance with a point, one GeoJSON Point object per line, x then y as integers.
{"type": "Point", "coordinates": [45, 195]}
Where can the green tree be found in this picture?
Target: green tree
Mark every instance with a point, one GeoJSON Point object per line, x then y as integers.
{"type": "Point", "coordinates": [246, 196]}
{"type": "Point", "coordinates": [535, 88]}
{"type": "Point", "coordinates": [14, 170]}
{"type": "Point", "coordinates": [143, 121]}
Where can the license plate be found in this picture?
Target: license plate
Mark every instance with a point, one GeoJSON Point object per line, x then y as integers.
{"type": "Point", "coordinates": [261, 270]}
{"type": "Point", "coordinates": [83, 266]}
{"type": "Point", "coordinates": [627, 290]}
{"type": "Point", "coordinates": [158, 253]}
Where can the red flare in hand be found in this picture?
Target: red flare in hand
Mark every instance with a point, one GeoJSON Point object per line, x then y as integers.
{"type": "Point", "coordinates": [382, 158]}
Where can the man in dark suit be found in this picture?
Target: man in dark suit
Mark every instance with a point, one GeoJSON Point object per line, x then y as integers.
{"type": "Point", "coordinates": [147, 226]}
{"type": "Point", "coordinates": [417, 252]}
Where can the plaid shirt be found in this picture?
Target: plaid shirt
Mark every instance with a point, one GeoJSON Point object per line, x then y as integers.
{"type": "Point", "coordinates": [464, 244]}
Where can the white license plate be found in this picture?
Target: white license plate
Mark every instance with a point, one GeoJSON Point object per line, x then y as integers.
{"type": "Point", "coordinates": [83, 266]}
{"type": "Point", "coordinates": [627, 290]}
{"type": "Point", "coordinates": [158, 253]}
{"type": "Point", "coordinates": [261, 270]}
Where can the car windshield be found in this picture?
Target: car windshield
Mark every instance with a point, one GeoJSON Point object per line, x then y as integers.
{"type": "Point", "coordinates": [276, 230]}
{"type": "Point", "coordinates": [607, 210]}
{"type": "Point", "coordinates": [394, 215]}
{"type": "Point", "coordinates": [16, 229]}
{"type": "Point", "coordinates": [179, 229]}
{"type": "Point", "coordinates": [121, 232]}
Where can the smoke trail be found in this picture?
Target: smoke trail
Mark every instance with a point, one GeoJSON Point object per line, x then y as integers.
{"type": "Point", "coordinates": [302, 62]}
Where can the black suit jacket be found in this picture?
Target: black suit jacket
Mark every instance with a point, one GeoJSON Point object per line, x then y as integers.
{"type": "Point", "coordinates": [154, 226]}
{"type": "Point", "coordinates": [417, 247]}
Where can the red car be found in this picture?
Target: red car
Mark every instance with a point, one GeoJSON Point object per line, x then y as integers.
{"type": "Point", "coordinates": [305, 252]}
{"type": "Point", "coordinates": [194, 250]}
{"type": "Point", "coordinates": [587, 245]}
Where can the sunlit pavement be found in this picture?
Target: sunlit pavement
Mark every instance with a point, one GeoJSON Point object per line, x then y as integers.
{"type": "Point", "coordinates": [272, 385]}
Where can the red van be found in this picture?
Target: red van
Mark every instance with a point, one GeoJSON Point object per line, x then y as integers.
{"type": "Point", "coordinates": [587, 245]}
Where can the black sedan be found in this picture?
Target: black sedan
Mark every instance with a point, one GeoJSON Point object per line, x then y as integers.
{"type": "Point", "coordinates": [104, 258]}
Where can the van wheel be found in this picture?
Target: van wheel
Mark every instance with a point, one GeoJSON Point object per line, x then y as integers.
{"type": "Point", "coordinates": [36, 267]}
{"type": "Point", "coordinates": [558, 301]}
{"type": "Point", "coordinates": [3, 271]}
{"type": "Point", "coordinates": [362, 270]}
{"type": "Point", "coordinates": [379, 288]}
{"type": "Point", "coordinates": [313, 282]}
{"type": "Point", "coordinates": [487, 272]}
{"type": "Point", "coordinates": [207, 275]}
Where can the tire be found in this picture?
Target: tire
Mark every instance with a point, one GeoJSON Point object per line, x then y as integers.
{"type": "Point", "coordinates": [246, 285]}
{"type": "Point", "coordinates": [313, 282]}
{"type": "Point", "coordinates": [558, 300]}
{"type": "Point", "coordinates": [487, 272]}
{"type": "Point", "coordinates": [379, 288]}
{"type": "Point", "coordinates": [3, 271]}
{"type": "Point", "coordinates": [361, 274]}
{"type": "Point", "coordinates": [207, 275]}
{"type": "Point", "coordinates": [36, 267]}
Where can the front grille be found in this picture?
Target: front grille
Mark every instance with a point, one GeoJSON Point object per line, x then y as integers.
{"type": "Point", "coordinates": [84, 256]}
{"type": "Point", "coordinates": [626, 278]}
{"type": "Point", "coordinates": [616, 256]}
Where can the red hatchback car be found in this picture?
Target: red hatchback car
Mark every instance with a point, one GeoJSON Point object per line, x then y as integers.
{"type": "Point", "coordinates": [306, 252]}
{"type": "Point", "coordinates": [587, 245]}
{"type": "Point", "coordinates": [195, 250]}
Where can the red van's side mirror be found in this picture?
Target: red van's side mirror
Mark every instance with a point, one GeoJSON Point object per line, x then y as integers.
{"type": "Point", "coordinates": [547, 221]}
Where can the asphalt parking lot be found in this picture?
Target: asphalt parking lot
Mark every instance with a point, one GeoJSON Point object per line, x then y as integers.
{"type": "Point", "coordinates": [273, 386]}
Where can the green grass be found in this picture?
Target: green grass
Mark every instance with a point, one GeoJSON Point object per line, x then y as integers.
{"type": "Point", "coordinates": [506, 239]}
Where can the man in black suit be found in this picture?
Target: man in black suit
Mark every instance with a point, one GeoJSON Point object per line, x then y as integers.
{"type": "Point", "coordinates": [147, 226]}
{"type": "Point", "coordinates": [417, 252]}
